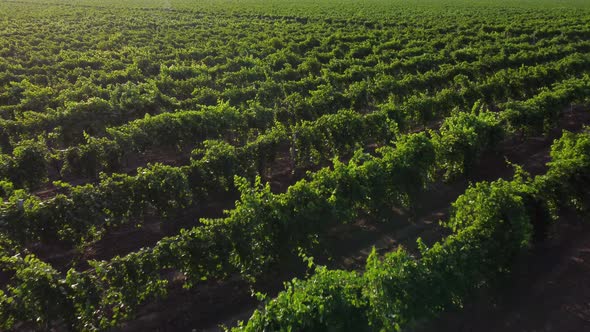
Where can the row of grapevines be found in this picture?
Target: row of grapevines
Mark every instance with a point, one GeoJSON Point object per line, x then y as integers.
{"type": "Point", "coordinates": [108, 154]}
{"type": "Point", "coordinates": [263, 229]}
{"type": "Point", "coordinates": [491, 223]}
{"type": "Point", "coordinates": [81, 213]}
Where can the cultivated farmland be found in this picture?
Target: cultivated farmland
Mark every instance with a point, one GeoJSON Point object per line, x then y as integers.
{"type": "Point", "coordinates": [331, 165]}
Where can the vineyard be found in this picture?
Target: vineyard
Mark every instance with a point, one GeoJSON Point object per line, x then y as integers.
{"type": "Point", "coordinates": [267, 165]}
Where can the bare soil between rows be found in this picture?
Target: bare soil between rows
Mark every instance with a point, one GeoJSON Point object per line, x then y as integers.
{"type": "Point", "coordinates": [548, 291]}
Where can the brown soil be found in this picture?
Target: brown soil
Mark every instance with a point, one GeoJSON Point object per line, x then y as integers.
{"type": "Point", "coordinates": [355, 241]}
{"type": "Point", "coordinates": [131, 163]}
{"type": "Point", "coordinates": [549, 289]}
{"type": "Point", "coordinates": [347, 246]}
{"type": "Point", "coordinates": [129, 237]}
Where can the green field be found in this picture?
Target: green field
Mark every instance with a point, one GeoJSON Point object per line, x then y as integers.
{"type": "Point", "coordinates": [161, 161]}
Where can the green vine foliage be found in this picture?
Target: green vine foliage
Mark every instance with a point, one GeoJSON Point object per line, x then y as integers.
{"type": "Point", "coordinates": [92, 96]}
{"type": "Point", "coordinates": [491, 224]}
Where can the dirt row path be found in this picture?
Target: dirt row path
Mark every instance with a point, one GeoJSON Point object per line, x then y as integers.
{"type": "Point", "coordinates": [208, 306]}
{"type": "Point", "coordinates": [549, 289]}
